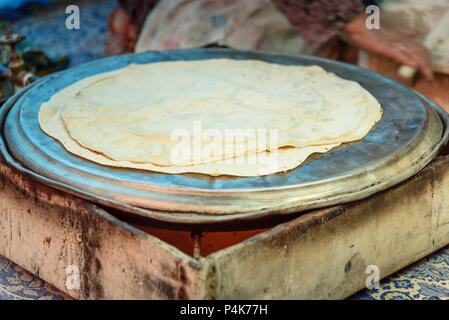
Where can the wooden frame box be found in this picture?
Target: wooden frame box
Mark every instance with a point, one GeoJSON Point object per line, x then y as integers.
{"type": "Point", "coordinates": [322, 254]}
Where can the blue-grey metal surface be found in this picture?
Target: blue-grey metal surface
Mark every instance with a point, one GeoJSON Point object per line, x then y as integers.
{"type": "Point", "coordinates": [407, 137]}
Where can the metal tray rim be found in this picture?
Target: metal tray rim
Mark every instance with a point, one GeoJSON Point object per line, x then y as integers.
{"type": "Point", "coordinates": [174, 217]}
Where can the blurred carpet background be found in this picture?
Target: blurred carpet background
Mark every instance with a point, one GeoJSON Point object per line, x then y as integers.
{"type": "Point", "coordinates": [46, 30]}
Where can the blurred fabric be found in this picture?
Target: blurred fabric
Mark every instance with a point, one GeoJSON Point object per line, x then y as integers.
{"type": "Point", "coordinates": [47, 31]}
{"type": "Point", "coordinates": [423, 17]}
{"type": "Point", "coordinates": [14, 9]}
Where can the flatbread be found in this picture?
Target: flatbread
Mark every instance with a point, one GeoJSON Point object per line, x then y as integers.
{"type": "Point", "coordinates": [127, 117]}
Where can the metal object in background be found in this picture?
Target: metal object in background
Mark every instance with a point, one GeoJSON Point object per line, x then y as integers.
{"type": "Point", "coordinates": [15, 72]}
{"type": "Point", "coordinates": [410, 134]}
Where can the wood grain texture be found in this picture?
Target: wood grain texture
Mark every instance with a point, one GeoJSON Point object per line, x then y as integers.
{"type": "Point", "coordinates": [45, 231]}
{"type": "Point", "coordinates": [324, 254]}
{"type": "Point", "coordinates": [320, 255]}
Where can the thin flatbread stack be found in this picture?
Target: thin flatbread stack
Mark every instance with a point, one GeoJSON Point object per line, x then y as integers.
{"type": "Point", "coordinates": [216, 117]}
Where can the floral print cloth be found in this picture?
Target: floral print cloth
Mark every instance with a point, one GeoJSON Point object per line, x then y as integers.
{"type": "Point", "coordinates": [278, 25]}
{"type": "Point", "coordinates": [319, 20]}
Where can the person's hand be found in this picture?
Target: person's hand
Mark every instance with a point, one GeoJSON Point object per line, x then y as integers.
{"type": "Point", "coordinates": [391, 42]}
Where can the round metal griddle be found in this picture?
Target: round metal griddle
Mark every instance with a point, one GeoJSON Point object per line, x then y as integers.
{"type": "Point", "coordinates": [409, 135]}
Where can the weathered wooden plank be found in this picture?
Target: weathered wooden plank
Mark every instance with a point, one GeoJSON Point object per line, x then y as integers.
{"type": "Point", "coordinates": [324, 254]}
{"type": "Point", "coordinates": [45, 231]}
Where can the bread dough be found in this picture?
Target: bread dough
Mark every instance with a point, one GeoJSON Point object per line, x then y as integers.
{"type": "Point", "coordinates": [127, 117]}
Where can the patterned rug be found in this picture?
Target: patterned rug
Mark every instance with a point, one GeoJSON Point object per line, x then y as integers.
{"type": "Point", "coordinates": [18, 284]}
{"type": "Point", "coordinates": [426, 279]}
